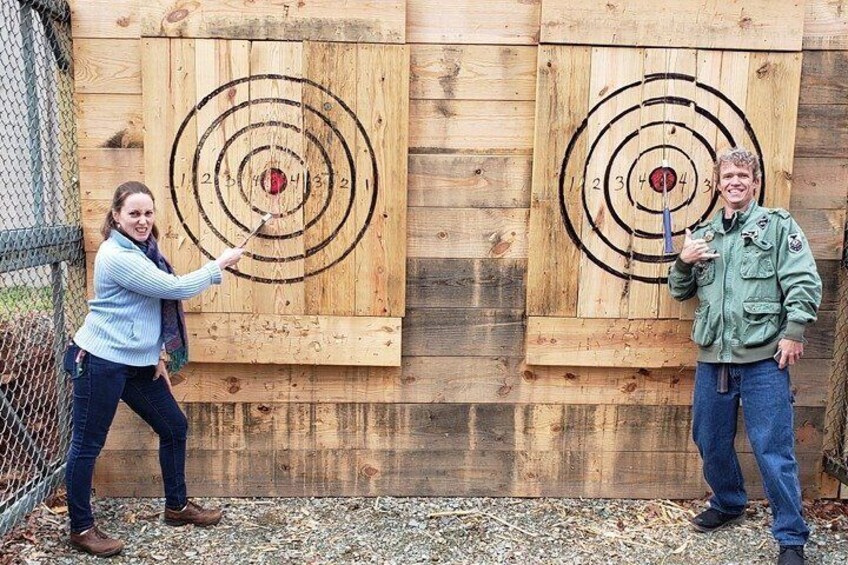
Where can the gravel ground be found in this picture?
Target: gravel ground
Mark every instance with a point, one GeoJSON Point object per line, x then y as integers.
{"type": "Point", "coordinates": [426, 530]}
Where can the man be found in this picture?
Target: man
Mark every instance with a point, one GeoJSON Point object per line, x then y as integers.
{"type": "Point", "coordinates": [756, 280]}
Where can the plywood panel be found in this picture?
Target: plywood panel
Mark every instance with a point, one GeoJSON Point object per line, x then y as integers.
{"type": "Point", "coordinates": [317, 20]}
{"type": "Point", "coordinates": [463, 125]}
{"type": "Point", "coordinates": [758, 24]}
{"type": "Point", "coordinates": [105, 18]}
{"type": "Point", "coordinates": [472, 72]}
{"type": "Point", "coordinates": [319, 340]}
{"type": "Point", "coordinates": [107, 66]}
{"type": "Point", "coordinates": [616, 343]}
{"type": "Point", "coordinates": [508, 22]}
{"type": "Point", "coordinates": [469, 181]}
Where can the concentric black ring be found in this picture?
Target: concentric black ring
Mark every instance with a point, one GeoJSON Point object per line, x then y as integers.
{"type": "Point", "coordinates": [631, 255]}
{"type": "Point", "coordinates": [370, 177]}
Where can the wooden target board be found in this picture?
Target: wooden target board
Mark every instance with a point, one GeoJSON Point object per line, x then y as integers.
{"type": "Point", "coordinates": [314, 134]}
{"type": "Point", "coordinates": [621, 133]}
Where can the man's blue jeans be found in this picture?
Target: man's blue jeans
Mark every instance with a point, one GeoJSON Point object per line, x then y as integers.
{"type": "Point", "coordinates": [764, 391]}
{"type": "Point", "coordinates": [98, 385]}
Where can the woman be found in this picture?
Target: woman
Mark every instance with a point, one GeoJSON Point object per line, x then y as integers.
{"type": "Point", "coordinates": [134, 324]}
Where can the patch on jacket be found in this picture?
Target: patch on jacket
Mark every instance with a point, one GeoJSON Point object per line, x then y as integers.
{"type": "Point", "coordinates": [796, 244]}
{"type": "Point", "coordinates": [750, 234]}
{"type": "Point", "coordinates": [762, 222]}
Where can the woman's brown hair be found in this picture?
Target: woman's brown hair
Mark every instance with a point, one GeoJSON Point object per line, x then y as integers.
{"type": "Point", "coordinates": [121, 193]}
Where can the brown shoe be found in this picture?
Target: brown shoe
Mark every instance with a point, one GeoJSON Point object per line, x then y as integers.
{"type": "Point", "coordinates": [192, 514]}
{"type": "Point", "coordinates": [97, 543]}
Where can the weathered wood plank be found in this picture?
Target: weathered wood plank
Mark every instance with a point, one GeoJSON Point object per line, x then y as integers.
{"type": "Point", "coordinates": [411, 427]}
{"type": "Point", "coordinates": [462, 283]}
{"type": "Point", "coordinates": [511, 22]}
{"type": "Point", "coordinates": [102, 170]}
{"type": "Point", "coordinates": [105, 18]}
{"type": "Point", "coordinates": [609, 342]}
{"type": "Point", "coordinates": [429, 472]}
{"type": "Point", "coordinates": [107, 66]}
{"type": "Point", "coordinates": [463, 331]}
{"type": "Point", "coordinates": [759, 24]}
{"type": "Point", "coordinates": [822, 131]}
{"type": "Point", "coordinates": [483, 127]}
{"type": "Point", "coordinates": [825, 25]}
{"type": "Point", "coordinates": [636, 343]}
{"type": "Point", "coordinates": [318, 20]}
{"type": "Point", "coordinates": [261, 338]}
{"type": "Point", "coordinates": [472, 72]}
{"type": "Point", "coordinates": [824, 77]}
{"type": "Point", "coordinates": [111, 121]}
{"type": "Point", "coordinates": [824, 230]}
{"type": "Point", "coordinates": [383, 104]}
{"type": "Point", "coordinates": [469, 181]}
{"type": "Point", "coordinates": [819, 184]}
{"type": "Point", "coordinates": [773, 83]}
{"type": "Point", "coordinates": [553, 273]}
{"type": "Point", "coordinates": [463, 379]}
{"type": "Point", "coordinates": [467, 232]}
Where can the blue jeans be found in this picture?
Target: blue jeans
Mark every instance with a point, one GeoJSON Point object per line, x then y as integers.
{"type": "Point", "coordinates": [764, 391]}
{"type": "Point", "coordinates": [98, 385]}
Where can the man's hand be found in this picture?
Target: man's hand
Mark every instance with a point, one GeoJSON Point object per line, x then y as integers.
{"type": "Point", "coordinates": [789, 352]}
{"type": "Point", "coordinates": [695, 250]}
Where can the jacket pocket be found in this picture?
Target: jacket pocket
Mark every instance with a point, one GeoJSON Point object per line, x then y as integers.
{"type": "Point", "coordinates": [761, 322]}
{"type": "Point", "coordinates": [703, 328]}
{"type": "Point", "coordinates": [757, 262]}
{"type": "Point", "coordinates": [705, 272]}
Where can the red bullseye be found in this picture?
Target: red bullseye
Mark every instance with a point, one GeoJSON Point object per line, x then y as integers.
{"type": "Point", "coordinates": [657, 176]}
{"type": "Point", "coordinates": [274, 181]}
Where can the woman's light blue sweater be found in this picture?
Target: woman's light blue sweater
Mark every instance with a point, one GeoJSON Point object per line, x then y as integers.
{"type": "Point", "coordinates": [124, 323]}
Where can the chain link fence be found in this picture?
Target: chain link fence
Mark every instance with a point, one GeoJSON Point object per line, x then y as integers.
{"type": "Point", "coordinates": [836, 418]}
{"type": "Point", "coordinates": [42, 265]}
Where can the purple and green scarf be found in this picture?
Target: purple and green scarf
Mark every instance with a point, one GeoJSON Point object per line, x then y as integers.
{"type": "Point", "coordinates": [174, 333]}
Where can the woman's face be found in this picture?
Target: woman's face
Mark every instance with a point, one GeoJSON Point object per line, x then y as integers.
{"type": "Point", "coordinates": [135, 218]}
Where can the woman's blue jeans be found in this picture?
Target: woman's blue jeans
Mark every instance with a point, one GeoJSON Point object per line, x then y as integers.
{"type": "Point", "coordinates": [98, 385]}
{"type": "Point", "coordinates": [764, 391]}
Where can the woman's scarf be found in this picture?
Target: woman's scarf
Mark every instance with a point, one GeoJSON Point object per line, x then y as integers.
{"type": "Point", "coordinates": [174, 333]}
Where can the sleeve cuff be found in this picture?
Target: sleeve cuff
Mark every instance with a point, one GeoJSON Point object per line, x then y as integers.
{"type": "Point", "coordinates": [214, 272]}
{"type": "Point", "coordinates": [682, 266]}
{"type": "Point", "coordinates": [795, 331]}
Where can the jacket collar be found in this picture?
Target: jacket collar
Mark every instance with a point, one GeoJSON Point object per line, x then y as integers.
{"type": "Point", "coordinates": [739, 218]}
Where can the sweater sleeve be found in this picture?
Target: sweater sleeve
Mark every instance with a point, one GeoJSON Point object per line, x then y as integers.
{"type": "Point", "coordinates": [138, 274]}
{"type": "Point", "coordinates": [798, 278]}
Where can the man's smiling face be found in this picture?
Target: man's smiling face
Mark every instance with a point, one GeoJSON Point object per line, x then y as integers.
{"type": "Point", "coordinates": [737, 186]}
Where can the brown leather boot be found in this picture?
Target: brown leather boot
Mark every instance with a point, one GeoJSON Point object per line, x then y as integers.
{"type": "Point", "coordinates": [192, 514]}
{"type": "Point", "coordinates": [97, 543]}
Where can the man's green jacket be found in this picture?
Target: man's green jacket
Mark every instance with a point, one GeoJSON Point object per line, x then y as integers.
{"type": "Point", "coordinates": [763, 287]}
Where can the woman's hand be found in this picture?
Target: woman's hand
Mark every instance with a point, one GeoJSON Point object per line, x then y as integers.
{"type": "Point", "coordinates": [162, 371]}
{"type": "Point", "coordinates": [229, 257]}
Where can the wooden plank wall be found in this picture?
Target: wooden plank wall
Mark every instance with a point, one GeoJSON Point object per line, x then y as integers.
{"type": "Point", "coordinates": [463, 415]}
